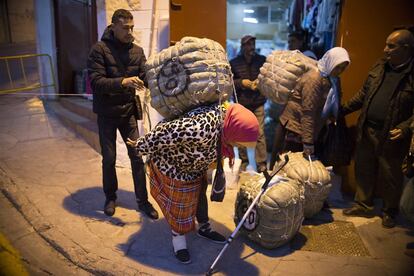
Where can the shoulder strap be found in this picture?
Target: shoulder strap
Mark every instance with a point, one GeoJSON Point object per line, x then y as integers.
{"type": "Point", "coordinates": [219, 154]}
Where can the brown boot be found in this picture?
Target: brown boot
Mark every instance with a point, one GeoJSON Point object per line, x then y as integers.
{"type": "Point", "coordinates": [358, 211]}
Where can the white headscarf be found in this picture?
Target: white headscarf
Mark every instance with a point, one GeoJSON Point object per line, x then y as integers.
{"type": "Point", "coordinates": [326, 64]}
{"type": "Point", "coordinates": [331, 59]}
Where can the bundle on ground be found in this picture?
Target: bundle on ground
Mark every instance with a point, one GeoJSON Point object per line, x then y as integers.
{"type": "Point", "coordinates": [314, 176]}
{"type": "Point", "coordinates": [279, 213]}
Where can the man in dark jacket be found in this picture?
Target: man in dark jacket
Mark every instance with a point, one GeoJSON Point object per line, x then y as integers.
{"type": "Point", "coordinates": [246, 68]}
{"type": "Point", "coordinates": [116, 69]}
{"type": "Point", "coordinates": [386, 101]}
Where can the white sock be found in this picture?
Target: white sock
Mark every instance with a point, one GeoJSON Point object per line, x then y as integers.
{"type": "Point", "coordinates": [178, 241]}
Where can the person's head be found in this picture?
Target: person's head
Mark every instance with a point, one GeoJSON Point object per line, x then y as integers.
{"type": "Point", "coordinates": [399, 47]}
{"type": "Point", "coordinates": [240, 128]}
{"type": "Point", "coordinates": [248, 46]}
{"type": "Point", "coordinates": [334, 62]}
{"type": "Point", "coordinates": [296, 41]}
{"type": "Point", "coordinates": [123, 25]}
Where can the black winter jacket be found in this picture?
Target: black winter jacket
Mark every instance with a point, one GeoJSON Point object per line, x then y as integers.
{"type": "Point", "coordinates": [242, 70]}
{"type": "Point", "coordinates": [110, 99]}
{"type": "Point", "coordinates": [400, 110]}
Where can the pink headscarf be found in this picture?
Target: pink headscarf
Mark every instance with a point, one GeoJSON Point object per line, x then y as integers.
{"type": "Point", "coordinates": [240, 125]}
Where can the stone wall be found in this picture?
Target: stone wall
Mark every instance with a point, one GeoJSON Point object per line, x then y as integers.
{"type": "Point", "coordinates": [21, 20]}
{"type": "Point", "coordinates": [150, 18]}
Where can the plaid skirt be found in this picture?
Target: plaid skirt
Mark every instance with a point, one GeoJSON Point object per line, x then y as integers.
{"type": "Point", "coordinates": [177, 199]}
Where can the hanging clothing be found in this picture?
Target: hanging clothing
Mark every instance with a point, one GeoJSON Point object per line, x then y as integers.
{"type": "Point", "coordinates": [328, 11]}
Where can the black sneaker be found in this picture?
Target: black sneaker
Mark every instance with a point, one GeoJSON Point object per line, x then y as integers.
{"type": "Point", "coordinates": [409, 252]}
{"type": "Point", "coordinates": [206, 232]}
{"type": "Point", "coordinates": [148, 210]}
{"type": "Point", "coordinates": [388, 221]}
{"type": "Point", "coordinates": [261, 168]}
{"type": "Point", "coordinates": [183, 256]}
{"type": "Point", "coordinates": [358, 211]}
{"type": "Point", "coordinates": [109, 208]}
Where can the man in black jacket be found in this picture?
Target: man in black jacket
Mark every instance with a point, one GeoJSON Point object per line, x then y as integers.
{"type": "Point", "coordinates": [246, 68]}
{"type": "Point", "coordinates": [386, 102]}
{"type": "Point", "coordinates": [116, 69]}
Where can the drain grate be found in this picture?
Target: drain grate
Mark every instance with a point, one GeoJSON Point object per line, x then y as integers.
{"type": "Point", "coordinates": [335, 238]}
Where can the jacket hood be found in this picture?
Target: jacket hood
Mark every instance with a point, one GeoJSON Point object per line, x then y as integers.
{"type": "Point", "coordinates": [108, 36]}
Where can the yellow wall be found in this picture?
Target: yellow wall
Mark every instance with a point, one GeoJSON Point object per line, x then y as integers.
{"type": "Point", "coordinates": [198, 18]}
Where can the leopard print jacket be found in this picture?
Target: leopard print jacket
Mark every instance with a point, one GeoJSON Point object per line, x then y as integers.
{"type": "Point", "coordinates": [183, 148]}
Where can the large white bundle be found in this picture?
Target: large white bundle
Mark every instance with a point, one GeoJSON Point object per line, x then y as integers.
{"type": "Point", "coordinates": [193, 72]}
{"type": "Point", "coordinates": [280, 73]}
{"type": "Point", "coordinates": [279, 214]}
{"type": "Point", "coordinates": [315, 178]}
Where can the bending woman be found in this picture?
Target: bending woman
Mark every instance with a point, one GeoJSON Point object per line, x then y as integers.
{"type": "Point", "coordinates": [180, 152]}
{"type": "Point", "coordinates": [301, 120]}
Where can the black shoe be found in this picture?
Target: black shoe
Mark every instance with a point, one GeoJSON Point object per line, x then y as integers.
{"type": "Point", "coordinates": [206, 232]}
{"type": "Point", "coordinates": [148, 210]}
{"type": "Point", "coordinates": [243, 166]}
{"type": "Point", "coordinates": [358, 211]}
{"type": "Point", "coordinates": [109, 208]}
{"type": "Point", "coordinates": [326, 205]}
{"type": "Point", "coordinates": [388, 221]}
{"type": "Point", "coordinates": [409, 252]}
{"type": "Point", "coordinates": [261, 168]}
{"type": "Point", "coordinates": [183, 256]}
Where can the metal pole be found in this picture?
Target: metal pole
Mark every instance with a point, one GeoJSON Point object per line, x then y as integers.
{"type": "Point", "coordinates": [8, 72]}
{"type": "Point", "coordinates": [24, 72]}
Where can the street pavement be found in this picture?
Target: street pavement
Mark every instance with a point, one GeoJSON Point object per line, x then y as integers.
{"type": "Point", "coordinates": [51, 213]}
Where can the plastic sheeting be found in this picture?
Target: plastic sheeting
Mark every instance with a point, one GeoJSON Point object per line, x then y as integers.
{"type": "Point", "coordinates": [315, 178]}
{"type": "Point", "coordinates": [193, 72]}
{"type": "Point", "coordinates": [278, 215]}
{"type": "Point", "coordinates": [280, 73]}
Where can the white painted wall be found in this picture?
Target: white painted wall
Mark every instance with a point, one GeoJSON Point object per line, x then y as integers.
{"type": "Point", "coordinates": [46, 44]}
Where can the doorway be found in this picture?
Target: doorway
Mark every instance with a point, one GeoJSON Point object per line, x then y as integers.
{"type": "Point", "coordinates": [76, 32]}
{"type": "Point", "coordinates": [266, 20]}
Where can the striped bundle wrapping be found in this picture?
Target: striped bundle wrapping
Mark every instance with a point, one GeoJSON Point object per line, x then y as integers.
{"type": "Point", "coordinates": [280, 73]}
{"type": "Point", "coordinates": [193, 72]}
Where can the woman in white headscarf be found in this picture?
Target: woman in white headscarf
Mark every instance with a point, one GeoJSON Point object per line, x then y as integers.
{"type": "Point", "coordinates": [301, 120]}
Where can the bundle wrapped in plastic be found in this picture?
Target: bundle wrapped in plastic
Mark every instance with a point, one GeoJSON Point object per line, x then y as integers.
{"type": "Point", "coordinates": [280, 73]}
{"type": "Point", "coordinates": [314, 176]}
{"type": "Point", "coordinates": [277, 217]}
{"type": "Point", "coordinates": [193, 72]}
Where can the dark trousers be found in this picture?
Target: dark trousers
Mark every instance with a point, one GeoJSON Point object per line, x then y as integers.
{"type": "Point", "coordinates": [378, 170]}
{"type": "Point", "coordinates": [128, 128]}
{"type": "Point", "coordinates": [202, 207]}
{"type": "Point", "coordinates": [261, 153]}
{"type": "Point", "coordinates": [281, 144]}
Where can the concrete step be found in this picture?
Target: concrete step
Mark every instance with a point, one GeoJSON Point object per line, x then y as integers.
{"type": "Point", "coordinates": [83, 126]}
{"type": "Point", "coordinates": [78, 105]}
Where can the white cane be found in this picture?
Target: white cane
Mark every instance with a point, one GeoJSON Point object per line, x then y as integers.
{"type": "Point", "coordinates": [233, 235]}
